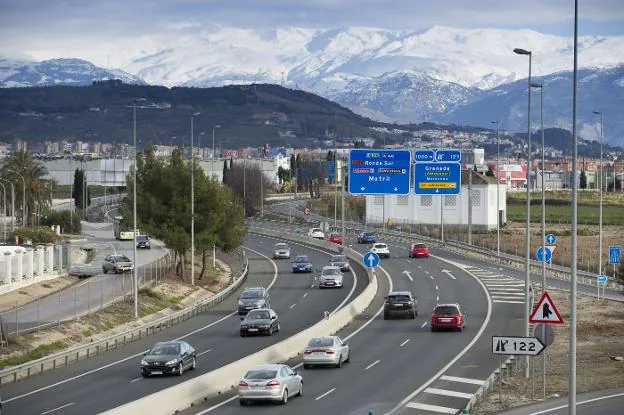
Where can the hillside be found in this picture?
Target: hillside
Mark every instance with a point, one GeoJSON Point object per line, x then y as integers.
{"type": "Point", "coordinates": [248, 115]}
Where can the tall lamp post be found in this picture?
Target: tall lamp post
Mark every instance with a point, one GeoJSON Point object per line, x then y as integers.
{"type": "Point", "coordinates": [193, 202]}
{"type": "Point", "coordinates": [23, 196]}
{"type": "Point", "coordinates": [214, 175]}
{"type": "Point", "coordinates": [600, 203]}
{"type": "Point", "coordinates": [527, 238]}
{"type": "Point", "coordinates": [12, 202]}
{"type": "Point", "coordinates": [497, 189]}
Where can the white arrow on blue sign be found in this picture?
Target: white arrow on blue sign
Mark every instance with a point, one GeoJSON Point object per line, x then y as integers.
{"type": "Point", "coordinates": [538, 254]}
{"type": "Point", "coordinates": [550, 239]}
{"type": "Point", "coordinates": [371, 260]}
{"type": "Point", "coordinates": [602, 279]}
{"type": "Point", "coordinates": [615, 252]}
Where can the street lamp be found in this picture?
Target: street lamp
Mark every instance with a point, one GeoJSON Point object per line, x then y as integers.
{"type": "Point", "coordinates": [497, 189]}
{"type": "Point", "coordinates": [214, 175]}
{"type": "Point", "coordinates": [527, 238]}
{"type": "Point", "coordinates": [600, 203]}
{"type": "Point", "coordinates": [23, 196]}
{"type": "Point", "coordinates": [193, 202]}
{"type": "Point", "coordinates": [12, 202]}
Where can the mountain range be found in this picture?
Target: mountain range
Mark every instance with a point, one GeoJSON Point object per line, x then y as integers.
{"type": "Point", "coordinates": [462, 76]}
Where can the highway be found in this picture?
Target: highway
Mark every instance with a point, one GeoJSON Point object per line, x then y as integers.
{"type": "Point", "coordinates": [609, 401]}
{"type": "Point", "coordinates": [402, 361]}
{"type": "Point", "coordinates": [107, 381]}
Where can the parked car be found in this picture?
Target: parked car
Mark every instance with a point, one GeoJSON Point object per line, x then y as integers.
{"type": "Point", "coordinates": [260, 321]}
{"type": "Point", "coordinates": [302, 263]}
{"type": "Point", "coordinates": [330, 277]}
{"type": "Point", "coordinates": [448, 316]}
{"type": "Point", "coordinates": [340, 261]}
{"type": "Point", "coordinates": [168, 358]}
{"type": "Point", "coordinates": [252, 298]}
{"type": "Point", "coordinates": [335, 238]}
{"type": "Point", "coordinates": [366, 238]}
{"type": "Point", "coordinates": [316, 233]}
{"type": "Point", "coordinates": [143, 241]}
{"type": "Point", "coordinates": [418, 250]}
{"type": "Point", "coordinates": [400, 303]}
{"type": "Point", "coordinates": [117, 264]}
{"type": "Point", "coordinates": [282, 251]}
{"type": "Point", "coordinates": [381, 249]}
{"type": "Point", "coordinates": [273, 382]}
{"type": "Point", "coordinates": [326, 350]}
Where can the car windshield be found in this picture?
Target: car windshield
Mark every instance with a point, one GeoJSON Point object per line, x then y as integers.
{"type": "Point", "coordinates": [338, 258]}
{"type": "Point", "coordinates": [301, 259]}
{"type": "Point", "coordinates": [321, 342]}
{"type": "Point", "coordinates": [367, 234]}
{"type": "Point", "coordinates": [121, 258]}
{"type": "Point", "coordinates": [141, 238]}
{"type": "Point", "coordinates": [334, 235]}
{"type": "Point", "coordinates": [380, 246]}
{"type": "Point", "coordinates": [165, 350]}
{"type": "Point", "coordinates": [419, 246]}
{"type": "Point", "coordinates": [446, 310]}
{"type": "Point", "coordinates": [316, 230]}
{"type": "Point", "coordinates": [330, 271]}
{"type": "Point", "coordinates": [398, 298]}
{"type": "Point", "coordinates": [258, 315]}
{"type": "Point", "coordinates": [251, 294]}
{"type": "Point", "coordinates": [261, 374]}
{"type": "Point", "coordinates": [281, 246]}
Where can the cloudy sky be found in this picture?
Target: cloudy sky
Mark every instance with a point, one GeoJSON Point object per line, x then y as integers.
{"type": "Point", "coordinates": [41, 29]}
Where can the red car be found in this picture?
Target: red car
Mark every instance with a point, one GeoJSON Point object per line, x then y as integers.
{"type": "Point", "coordinates": [335, 238]}
{"type": "Point", "coordinates": [448, 316]}
{"type": "Point", "coordinates": [419, 250]}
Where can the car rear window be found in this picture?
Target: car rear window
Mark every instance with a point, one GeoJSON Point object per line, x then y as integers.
{"type": "Point", "coordinates": [261, 374]}
{"type": "Point", "coordinates": [446, 310]}
{"type": "Point", "coordinates": [251, 294]}
{"type": "Point", "coordinates": [419, 246]}
{"type": "Point", "coordinates": [338, 258]}
{"type": "Point", "coordinates": [367, 234]}
{"type": "Point", "coordinates": [321, 342]}
{"type": "Point", "coordinates": [381, 246]}
{"type": "Point", "coordinates": [398, 298]}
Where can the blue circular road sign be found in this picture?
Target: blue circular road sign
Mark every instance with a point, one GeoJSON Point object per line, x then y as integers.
{"type": "Point", "coordinates": [602, 279]}
{"type": "Point", "coordinates": [550, 239]}
{"type": "Point", "coordinates": [538, 254]}
{"type": "Point", "coordinates": [371, 260]}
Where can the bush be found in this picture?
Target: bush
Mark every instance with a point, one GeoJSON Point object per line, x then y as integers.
{"type": "Point", "coordinates": [69, 223]}
{"type": "Point", "coordinates": [41, 235]}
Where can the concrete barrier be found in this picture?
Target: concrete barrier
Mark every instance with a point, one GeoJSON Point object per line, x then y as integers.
{"type": "Point", "coordinates": [226, 378]}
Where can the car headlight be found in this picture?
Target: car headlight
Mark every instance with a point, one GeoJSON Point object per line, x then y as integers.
{"type": "Point", "coordinates": [259, 303]}
{"type": "Point", "coordinates": [144, 363]}
{"type": "Point", "coordinates": [240, 302]}
{"type": "Point", "coordinates": [172, 362]}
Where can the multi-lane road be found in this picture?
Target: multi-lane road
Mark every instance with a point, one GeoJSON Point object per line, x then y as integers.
{"type": "Point", "coordinates": [101, 383]}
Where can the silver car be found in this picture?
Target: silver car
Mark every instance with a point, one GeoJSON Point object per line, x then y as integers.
{"type": "Point", "coordinates": [117, 264]}
{"type": "Point", "coordinates": [330, 277]}
{"type": "Point", "coordinates": [340, 261]}
{"type": "Point", "coordinates": [282, 251]}
{"type": "Point", "coordinates": [326, 350]}
{"type": "Point", "coordinates": [269, 383]}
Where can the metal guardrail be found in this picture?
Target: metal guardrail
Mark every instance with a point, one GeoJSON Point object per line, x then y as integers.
{"type": "Point", "coordinates": [74, 354]}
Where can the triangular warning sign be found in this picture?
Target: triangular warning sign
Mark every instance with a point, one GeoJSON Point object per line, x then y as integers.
{"type": "Point", "coordinates": [546, 311]}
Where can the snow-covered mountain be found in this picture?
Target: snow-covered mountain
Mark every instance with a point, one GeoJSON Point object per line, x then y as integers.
{"type": "Point", "coordinates": [57, 72]}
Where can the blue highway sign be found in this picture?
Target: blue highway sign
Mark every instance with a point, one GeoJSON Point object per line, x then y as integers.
{"type": "Point", "coordinates": [615, 252]}
{"type": "Point", "coordinates": [437, 178]}
{"type": "Point", "coordinates": [602, 279]}
{"type": "Point", "coordinates": [425, 156]}
{"type": "Point", "coordinates": [371, 260]}
{"type": "Point", "coordinates": [538, 254]}
{"type": "Point", "coordinates": [379, 172]}
{"type": "Point", "coordinates": [451, 156]}
{"type": "Point", "coordinates": [550, 239]}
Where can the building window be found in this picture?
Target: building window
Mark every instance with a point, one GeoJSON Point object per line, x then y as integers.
{"type": "Point", "coordinates": [378, 200]}
{"type": "Point", "coordinates": [402, 200]}
{"type": "Point", "coordinates": [476, 198]}
{"type": "Point", "coordinates": [426, 200]}
{"type": "Point", "coordinates": [450, 201]}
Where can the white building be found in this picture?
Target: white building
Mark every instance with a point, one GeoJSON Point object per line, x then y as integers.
{"type": "Point", "coordinates": [419, 209]}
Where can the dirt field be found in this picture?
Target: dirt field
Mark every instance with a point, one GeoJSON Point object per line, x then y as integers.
{"type": "Point", "coordinates": [600, 346]}
{"type": "Point", "coordinates": [32, 292]}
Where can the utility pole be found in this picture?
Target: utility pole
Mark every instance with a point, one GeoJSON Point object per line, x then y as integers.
{"type": "Point", "coordinates": [469, 206]}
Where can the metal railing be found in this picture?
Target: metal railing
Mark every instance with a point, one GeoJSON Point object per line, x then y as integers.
{"type": "Point", "coordinates": [74, 354]}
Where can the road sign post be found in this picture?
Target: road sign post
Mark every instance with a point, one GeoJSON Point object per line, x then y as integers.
{"type": "Point", "coordinates": [601, 281]}
{"type": "Point", "coordinates": [546, 311]}
{"type": "Point", "coordinates": [517, 346]}
{"type": "Point", "coordinates": [379, 172]}
{"type": "Point", "coordinates": [615, 254]}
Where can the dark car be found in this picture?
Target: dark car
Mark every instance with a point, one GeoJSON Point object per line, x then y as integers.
{"type": "Point", "coordinates": [366, 238]}
{"type": "Point", "coordinates": [340, 261]}
{"type": "Point", "coordinates": [400, 303]}
{"type": "Point", "coordinates": [302, 263]}
{"type": "Point", "coordinates": [261, 321]}
{"type": "Point", "coordinates": [253, 298]}
{"type": "Point", "coordinates": [117, 264]}
{"type": "Point", "coordinates": [448, 316]}
{"type": "Point", "coordinates": [142, 241]}
{"type": "Point", "coordinates": [418, 250]}
{"type": "Point", "coordinates": [168, 358]}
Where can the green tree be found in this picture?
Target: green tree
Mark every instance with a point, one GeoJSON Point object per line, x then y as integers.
{"type": "Point", "coordinates": [22, 164]}
{"type": "Point", "coordinates": [583, 180]}
{"type": "Point", "coordinates": [78, 190]}
{"type": "Point", "coordinates": [69, 223]}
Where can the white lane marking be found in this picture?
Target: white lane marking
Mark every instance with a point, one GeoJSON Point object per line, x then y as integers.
{"type": "Point", "coordinates": [56, 409]}
{"type": "Point", "coordinates": [419, 267]}
{"type": "Point", "coordinates": [508, 302]}
{"type": "Point", "coordinates": [204, 352]}
{"type": "Point", "coordinates": [136, 379]}
{"type": "Point", "coordinates": [423, 325]}
{"type": "Point", "coordinates": [464, 350]}
{"type": "Point", "coordinates": [407, 273]}
{"type": "Point", "coordinates": [504, 285]}
{"type": "Point", "coordinates": [325, 394]}
{"type": "Point", "coordinates": [437, 287]}
{"type": "Point", "coordinates": [99, 369]}
{"type": "Point", "coordinates": [409, 261]}
{"type": "Point", "coordinates": [446, 392]}
{"type": "Point", "coordinates": [371, 365]}
{"type": "Point", "coordinates": [505, 289]}
{"type": "Point", "coordinates": [438, 298]}
{"type": "Point", "coordinates": [463, 380]}
{"type": "Point", "coordinates": [305, 295]}
{"type": "Point", "coordinates": [600, 398]}
{"type": "Point", "coordinates": [405, 342]}
{"type": "Point", "coordinates": [426, 272]}
{"type": "Point", "coordinates": [432, 408]}
{"type": "Point", "coordinates": [447, 272]}
{"type": "Point", "coordinates": [220, 404]}
{"type": "Point", "coordinates": [292, 306]}
{"type": "Point", "coordinates": [431, 276]}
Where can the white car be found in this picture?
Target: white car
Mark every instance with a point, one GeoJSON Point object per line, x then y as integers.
{"type": "Point", "coordinates": [316, 233]}
{"type": "Point", "coordinates": [381, 249]}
